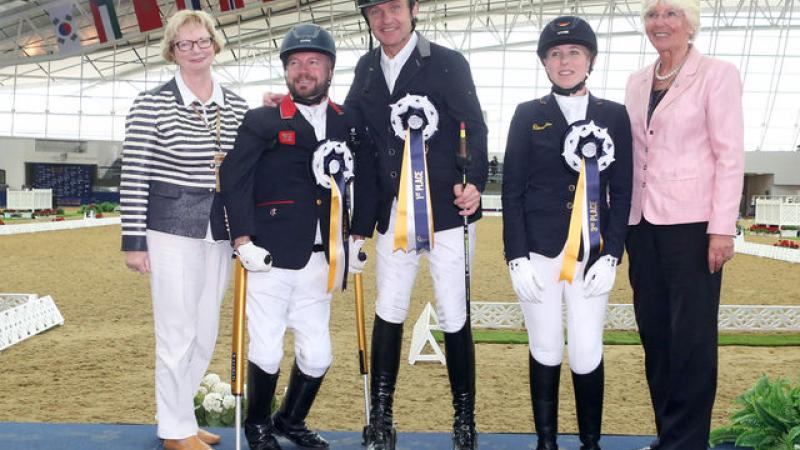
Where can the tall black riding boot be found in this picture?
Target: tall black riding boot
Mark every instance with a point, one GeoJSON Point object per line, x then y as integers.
{"type": "Point", "coordinates": [386, 340]}
{"type": "Point", "coordinates": [544, 397]}
{"type": "Point", "coordinates": [290, 420]}
{"type": "Point", "coordinates": [589, 406]}
{"type": "Point", "coordinates": [258, 424]}
{"type": "Point", "coordinates": [460, 353]}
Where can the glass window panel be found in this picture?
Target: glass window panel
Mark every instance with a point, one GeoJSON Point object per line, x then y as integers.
{"type": "Point", "coordinates": [97, 127]}
{"type": "Point", "coordinates": [29, 124]}
{"type": "Point", "coordinates": [62, 126]}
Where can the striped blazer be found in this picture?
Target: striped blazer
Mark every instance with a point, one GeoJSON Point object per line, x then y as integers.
{"type": "Point", "coordinates": [168, 180]}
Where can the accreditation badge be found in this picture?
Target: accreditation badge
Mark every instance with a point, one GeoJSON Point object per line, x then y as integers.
{"type": "Point", "coordinates": [332, 166]}
{"type": "Point", "coordinates": [587, 149]}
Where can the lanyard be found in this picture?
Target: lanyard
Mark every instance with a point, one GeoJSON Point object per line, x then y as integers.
{"type": "Point", "coordinates": [219, 155]}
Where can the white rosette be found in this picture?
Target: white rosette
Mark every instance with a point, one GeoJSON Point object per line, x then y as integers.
{"type": "Point", "coordinates": [330, 158]}
{"type": "Point", "coordinates": [418, 102]}
{"type": "Point", "coordinates": [598, 145]}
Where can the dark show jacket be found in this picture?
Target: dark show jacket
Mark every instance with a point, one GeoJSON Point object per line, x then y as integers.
{"type": "Point", "coordinates": [539, 187]}
{"type": "Point", "coordinates": [444, 76]}
{"type": "Point", "coordinates": [267, 184]}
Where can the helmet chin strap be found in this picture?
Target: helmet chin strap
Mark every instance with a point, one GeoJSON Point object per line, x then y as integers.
{"type": "Point", "coordinates": [568, 91]}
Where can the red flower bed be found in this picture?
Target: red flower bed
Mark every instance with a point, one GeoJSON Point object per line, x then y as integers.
{"type": "Point", "coordinates": [771, 229]}
{"type": "Point", "coordinates": [1, 222]}
{"type": "Point", "coordinates": [787, 243]}
{"type": "Point", "coordinates": [57, 219]}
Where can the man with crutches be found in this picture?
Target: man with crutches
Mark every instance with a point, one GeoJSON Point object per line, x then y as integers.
{"type": "Point", "coordinates": [411, 95]}
{"type": "Point", "coordinates": [284, 186]}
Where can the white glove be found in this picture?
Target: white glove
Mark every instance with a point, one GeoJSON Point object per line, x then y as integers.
{"type": "Point", "coordinates": [254, 258]}
{"type": "Point", "coordinates": [526, 282]}
{"type": "Point", "coordinates": [356, 265]}
{"type": "Point", "coordinates": [600, 277]}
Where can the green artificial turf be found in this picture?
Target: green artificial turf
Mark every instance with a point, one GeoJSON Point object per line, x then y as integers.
{"type": "Point", "coordinates": [632, 338]}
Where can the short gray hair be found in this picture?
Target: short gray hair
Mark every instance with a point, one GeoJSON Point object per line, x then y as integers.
{"type": "Point", "coordinates": [690, 8]}
{"type": "Point", "coordinates": [185, 17]}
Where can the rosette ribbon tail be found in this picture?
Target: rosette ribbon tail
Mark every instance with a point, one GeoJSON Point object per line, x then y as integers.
{"type": "Point", "coordinates": [593, 211]}
{"type": "Point", "coordinates": [414, 222]}
{"type": "Point", "coordinates": [575, 225]}
{"type": "Point", "coordinates": [237, 347]}
{"type": "Point", "coordinates": [337, 259]}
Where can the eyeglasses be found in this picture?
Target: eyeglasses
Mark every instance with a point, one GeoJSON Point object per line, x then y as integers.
{"type": "Point", "coordinates": [186, 46]}
{"type": "Point", "coordinates": [669, 15]}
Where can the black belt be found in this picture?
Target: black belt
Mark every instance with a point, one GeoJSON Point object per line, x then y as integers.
{"type": "Point", "coordinates": [318, 248]}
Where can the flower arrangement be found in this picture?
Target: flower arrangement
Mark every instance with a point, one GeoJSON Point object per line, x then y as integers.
{"type": "Point", "coordinates": [787, 244]}
{"type": "Point", "coordinates": [768, 418]}
{"type": "Point", "coordinates": [764, 229]}
{"type": "Point", "coordinates": [214, 405]}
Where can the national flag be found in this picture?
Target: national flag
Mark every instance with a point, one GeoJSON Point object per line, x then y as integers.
{"type": "Point", "coordinates": [147, 14]}
{"type": "Point", "coordinates": [105, 20]}
{"type": "Point", "coordinates": [227, 5]}
{"type": "Point", "coordinates": [66, 32]}
{"type": "Point", "coordinates": [191, 4]}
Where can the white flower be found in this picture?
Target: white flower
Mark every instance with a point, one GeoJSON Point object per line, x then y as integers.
{"type": "Point", "coordinates": [210, 380]}
{"type": "Point", "coordinates": [213, 403]}
{"type": "Point", "coordinates": [228, 402]}
{"type": "Point", "coordinates": [222, 388]}
{"type": "Point", "coordinates": [201, 391]}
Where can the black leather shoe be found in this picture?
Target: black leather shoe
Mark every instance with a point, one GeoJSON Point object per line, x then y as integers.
{"type": "Point", "coordinates": [378, 436]}
{"type": "Point", "coordinates": [260, 437]}
{"type": "Point", "coordinates": [289, 421]}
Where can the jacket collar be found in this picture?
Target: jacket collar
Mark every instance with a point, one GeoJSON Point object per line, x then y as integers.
{"type": "Point", "coordinates": [683, 80]}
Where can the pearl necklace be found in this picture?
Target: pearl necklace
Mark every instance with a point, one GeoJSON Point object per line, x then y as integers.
{"type": "Point", "coordinates": [669, 75]}
{"type": "Point", "coordinates": [672, 72]}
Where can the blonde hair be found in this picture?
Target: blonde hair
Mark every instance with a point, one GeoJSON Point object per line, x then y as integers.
{"type": "Point", "coordinates": [184, 17]}
{"type": "Point", "coordinates": [690, 8]}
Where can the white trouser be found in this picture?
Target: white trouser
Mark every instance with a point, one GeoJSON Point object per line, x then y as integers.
{"type": "Point", "coordinates": [585, 318]}
{"type": "Point", "coordinates": [189, 278]}
{"type": "Point", "coordinates": [396, 271]}
{"type": "Point", "coordinates": [296, 299]}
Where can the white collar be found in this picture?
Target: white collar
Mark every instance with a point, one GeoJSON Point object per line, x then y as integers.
{"type": "Point", "coordinates": [188, 96]}
{"type": "Point", "coordinates": [402, 56]}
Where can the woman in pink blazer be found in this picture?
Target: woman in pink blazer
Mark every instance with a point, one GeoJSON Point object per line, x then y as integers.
{"type": "Point", "coordinates": [688, 153]}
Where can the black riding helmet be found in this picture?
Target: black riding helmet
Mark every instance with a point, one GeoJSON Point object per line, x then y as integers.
{"type": "Point", "coordinates": [568, 30]}
{"type": "Point", "coordinates": [363, 4]}
{"type": "Point", "coordinates": [308, 37]}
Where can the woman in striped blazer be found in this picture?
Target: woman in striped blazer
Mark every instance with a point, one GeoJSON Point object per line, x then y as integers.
{"type": "Point", "coordinates": [173, 223]}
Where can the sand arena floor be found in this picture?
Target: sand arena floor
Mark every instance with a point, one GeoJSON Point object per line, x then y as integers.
{"type": "Point", "coordinates": [98, 367]}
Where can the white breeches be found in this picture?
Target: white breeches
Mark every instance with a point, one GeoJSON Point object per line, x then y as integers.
{"type": "Point", "coordinates": [396, 271]}
{"type": "Point", "coordinates": [585, 318]}
{"type": "Point", "coordinates": [294, 299]}
{"type": "Point", "coordinates": [188, 280]}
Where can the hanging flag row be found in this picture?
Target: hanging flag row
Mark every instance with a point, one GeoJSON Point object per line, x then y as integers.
{"type": "Point", "coordinates": [106, 22]}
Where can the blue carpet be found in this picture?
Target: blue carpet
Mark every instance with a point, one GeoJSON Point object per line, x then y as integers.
{"type": "Point", "coordinates": [52, 436]}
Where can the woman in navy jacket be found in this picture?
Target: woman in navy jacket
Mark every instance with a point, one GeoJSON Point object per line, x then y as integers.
{"type": "Point", "coordinates": [566, 198]}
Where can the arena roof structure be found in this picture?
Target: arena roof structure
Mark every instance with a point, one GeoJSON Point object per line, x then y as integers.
{"type": "Point", "coordinates": [85, 94]}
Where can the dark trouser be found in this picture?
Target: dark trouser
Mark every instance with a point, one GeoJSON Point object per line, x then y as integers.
{"type": "Point", "coordinates": [676, 301]}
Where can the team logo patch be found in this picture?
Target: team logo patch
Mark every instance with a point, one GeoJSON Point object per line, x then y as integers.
{"type": "Point", "coordinates": [287, 137]}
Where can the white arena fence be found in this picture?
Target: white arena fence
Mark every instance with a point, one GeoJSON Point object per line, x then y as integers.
{"type": "Point", "coordinates": [36, 227]}
{"type": "Point", "coordinates": [508, 316]}
{"type": "Point", "coordinates": [791, 255]}
{"type": "Point", "coordinates": [778, 210]}
{"type": "Point", "coordinates": [31, 200]}
{"type": "Point", "coordinates": [26, 315]}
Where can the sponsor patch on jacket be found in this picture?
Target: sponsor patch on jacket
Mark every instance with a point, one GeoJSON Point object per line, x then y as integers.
{"type": "Point", "coordinates": [540, 127]}
{"type": "Point", "coordinates": [287, 137]}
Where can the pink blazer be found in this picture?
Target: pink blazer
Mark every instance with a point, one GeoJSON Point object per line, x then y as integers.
{"type": "Point", "coordinates": [688, 164]}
